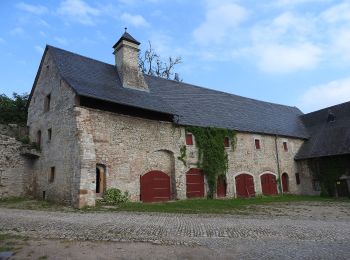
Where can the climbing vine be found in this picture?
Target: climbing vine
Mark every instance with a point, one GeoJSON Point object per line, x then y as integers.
{"type": "Point", "coordinates": [212, 157]}
{"type": "Point", "coordinates": [328, 170]}
{"type": "Point", "coordinates": [182, 156]}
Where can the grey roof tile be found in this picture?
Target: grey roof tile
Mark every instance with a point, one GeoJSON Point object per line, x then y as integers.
{"type": "Point", "coordinates": [327, 138]}
{"type": "Point", "coordinates": [192, 105]}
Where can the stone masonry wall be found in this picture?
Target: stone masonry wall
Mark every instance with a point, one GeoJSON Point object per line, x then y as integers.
{"type": "Point", "coordinates": [129, 147]}
{"type": "Point", "coordinates": [61, 152]}
{"type": "Point", "coordinates": [15, 169]}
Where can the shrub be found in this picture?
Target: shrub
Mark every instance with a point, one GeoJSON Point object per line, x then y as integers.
{"type": "Point", "coordinates": [115, 196]}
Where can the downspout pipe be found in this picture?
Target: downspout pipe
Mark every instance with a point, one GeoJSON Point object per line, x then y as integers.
{"type": "Point", "coordinates": [278, 165]}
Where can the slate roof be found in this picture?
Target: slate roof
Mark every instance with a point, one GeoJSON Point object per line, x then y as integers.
{"type": "Point", "coordinates": [128, 37]}
{"type": "Point", "coordinates": [327, 138]}
{"type": "Point", "coordinates": [190, 105]}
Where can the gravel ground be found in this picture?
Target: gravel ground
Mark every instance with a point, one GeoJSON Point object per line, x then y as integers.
{"type": "Point", "coordinates": [283, 231]}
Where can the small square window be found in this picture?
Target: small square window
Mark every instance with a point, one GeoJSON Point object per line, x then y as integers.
{"type": "Point", "coordinates": [257, 144]}
{"type": "Point", "coordinates": [189, 139]}
{"type": "Point", "coordinates": [285, 146]}
{"type": "Point", "coordinates": [297, 178]}
{"type": "Point", "coordinates": [49, 134]}
{"type": "Point", "coordinates": [227, 142]}
{"type": "Point", "coordinates": [47, 103]}
{"type": "Point", "coordinates": [52, 175]}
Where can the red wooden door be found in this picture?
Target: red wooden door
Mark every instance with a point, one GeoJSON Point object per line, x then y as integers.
{"type": "Point", "coordinates": [244, 185]}
{"type": "Point", "coordinates": [268, 184]}
{"type": "Point", "coordinates": [194, 183]}
{"type": "Point", "coordinates": [155, 186]}
{"type": "Point", "coordinates": [285, 182]}
{"type": "Point", "coordinates": [221, 187]}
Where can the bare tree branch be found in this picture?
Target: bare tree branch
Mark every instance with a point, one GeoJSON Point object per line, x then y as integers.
{"type": "Point", "coordinates": [150, 63]}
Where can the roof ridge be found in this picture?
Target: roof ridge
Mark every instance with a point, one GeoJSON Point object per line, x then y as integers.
{"type": "Point", "coordinates": [327, 108]}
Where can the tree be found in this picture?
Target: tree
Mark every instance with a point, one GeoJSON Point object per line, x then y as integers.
{"type": "Point", "coordinates": [151, 63]}
{"type": "Point", "coordinates": [13, 110]}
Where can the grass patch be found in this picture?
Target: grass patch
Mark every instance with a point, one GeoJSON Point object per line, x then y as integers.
{"type": "Point", "coordinates": [212, 206]}
{"type": "Point", "coordinates": [32, 204]}
{"type": "Point", "coordinates": [193, 206]}
{"type": "Point", "coordinates": [222, 206]}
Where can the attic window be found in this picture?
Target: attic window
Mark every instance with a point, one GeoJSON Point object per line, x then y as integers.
{"type": "Point", "coordinates": [227, 142]}
{"type": "Point", "coordinates": [47, 103]}
{"type": "Point", "coordinates": [189, 139]}
{"type": "Point", "coordinates": [285, 146]}
{"type": "Point", "coordinates": [257, 144]}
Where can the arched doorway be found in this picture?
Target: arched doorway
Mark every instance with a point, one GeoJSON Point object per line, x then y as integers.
{"type": "Point", "coordinates": [154, 186]}
{"type": "Point", "coordinates": [285, 182]}
{"type": "Point", "coordinates": [194, 183]}
{"type": "Point", "coordinates": [221, 187]}
{"type": "Point", "coordinates": [244, 185]}
{"type": "Point", "coordinates": [100, 179]}
{"type": "Point", "coordinates": [268, 184]}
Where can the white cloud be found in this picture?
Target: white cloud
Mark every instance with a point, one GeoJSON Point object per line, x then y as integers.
{"type": "Point", "coordinates": [34, 9]}
{"type": "Point", "coordinates": [287, 59]}
{"type": "Point", "coordinates": [78, 11]}
{"type": "Point", "coordinates": [135, 20]}
{"type": "Point", "coordinates": [2, 40]}
{"type": "Point", "coordinates": [17, 31]}
{"type": "Point", "coordinates": [43, 23]}
{"type": "Point", "coordinates": [62, 41]}
{"type": "Point", "coordinates": [337, 13]}
{"type": "Point", "coordinates": [329, 94]}
{"type": "Point", "coordinates": [39, 49]}
{"type": "Point", "coordinates": [221, 18]}
{"type": "Point", "coordinates": [292, 3]}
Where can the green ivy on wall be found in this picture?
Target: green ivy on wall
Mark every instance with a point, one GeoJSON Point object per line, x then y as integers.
{"type": "Point", "coordinates": [182, 156]}
{"type": "Point", "coordinates": [212, 156]}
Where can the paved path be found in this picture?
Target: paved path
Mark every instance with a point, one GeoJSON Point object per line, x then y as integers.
{"type": "Point", "coordinates": [262, 237]}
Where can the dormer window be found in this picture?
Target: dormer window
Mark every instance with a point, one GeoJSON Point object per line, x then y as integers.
{"type": "Point", "coordinates": [47, 103]}
{"type": "Point", "coordinates": [189, 139]}
{"type": "Point", "coordinates": [257, 144]}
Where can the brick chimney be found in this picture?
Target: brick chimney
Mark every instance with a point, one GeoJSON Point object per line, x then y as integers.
{"type": "Point", "coordinates": [126, 52]}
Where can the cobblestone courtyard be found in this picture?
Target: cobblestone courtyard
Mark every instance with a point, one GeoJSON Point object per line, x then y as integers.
{"type": "Point", "coordinates": [306, 230]}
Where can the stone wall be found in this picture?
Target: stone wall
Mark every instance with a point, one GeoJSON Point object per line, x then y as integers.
{"type": "Point", "coordinates": [61, 152]}
{"type": "Point", "coordinates": [15, 169]}
{"type": "Point", "coordinates": [129, 147]}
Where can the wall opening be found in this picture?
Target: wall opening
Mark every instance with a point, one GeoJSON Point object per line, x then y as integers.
{"type": "Point", "coordinates": [100, 179]}
{"type": "Point", "coordinates": [285, 182]}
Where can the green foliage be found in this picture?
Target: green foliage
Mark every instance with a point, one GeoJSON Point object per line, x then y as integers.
{"type": "Point", "coordinates": [212, 156]}
{"type": "Point", "coordinates": [13, 110]}
{"type": "Point", "coordinates": [182, 156]}
{"type": "Point", "coordinates": [115, 196]}
{"type": "Point", "coordinates": [328, 170]}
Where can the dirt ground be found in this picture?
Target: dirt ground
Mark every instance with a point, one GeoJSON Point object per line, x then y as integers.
{"type": "Point", "coordinates": [64, 249]}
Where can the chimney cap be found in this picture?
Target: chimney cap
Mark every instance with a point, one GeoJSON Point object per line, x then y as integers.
{"type": "Point", "coordinates": [127, 37]}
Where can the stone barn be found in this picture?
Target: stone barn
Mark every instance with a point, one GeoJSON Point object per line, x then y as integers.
{"type": "Point", "coordinates": [105, 125]}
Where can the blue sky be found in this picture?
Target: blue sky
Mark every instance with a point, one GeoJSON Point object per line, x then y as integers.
{"type": "Point", "coordinates": [292, 52]}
